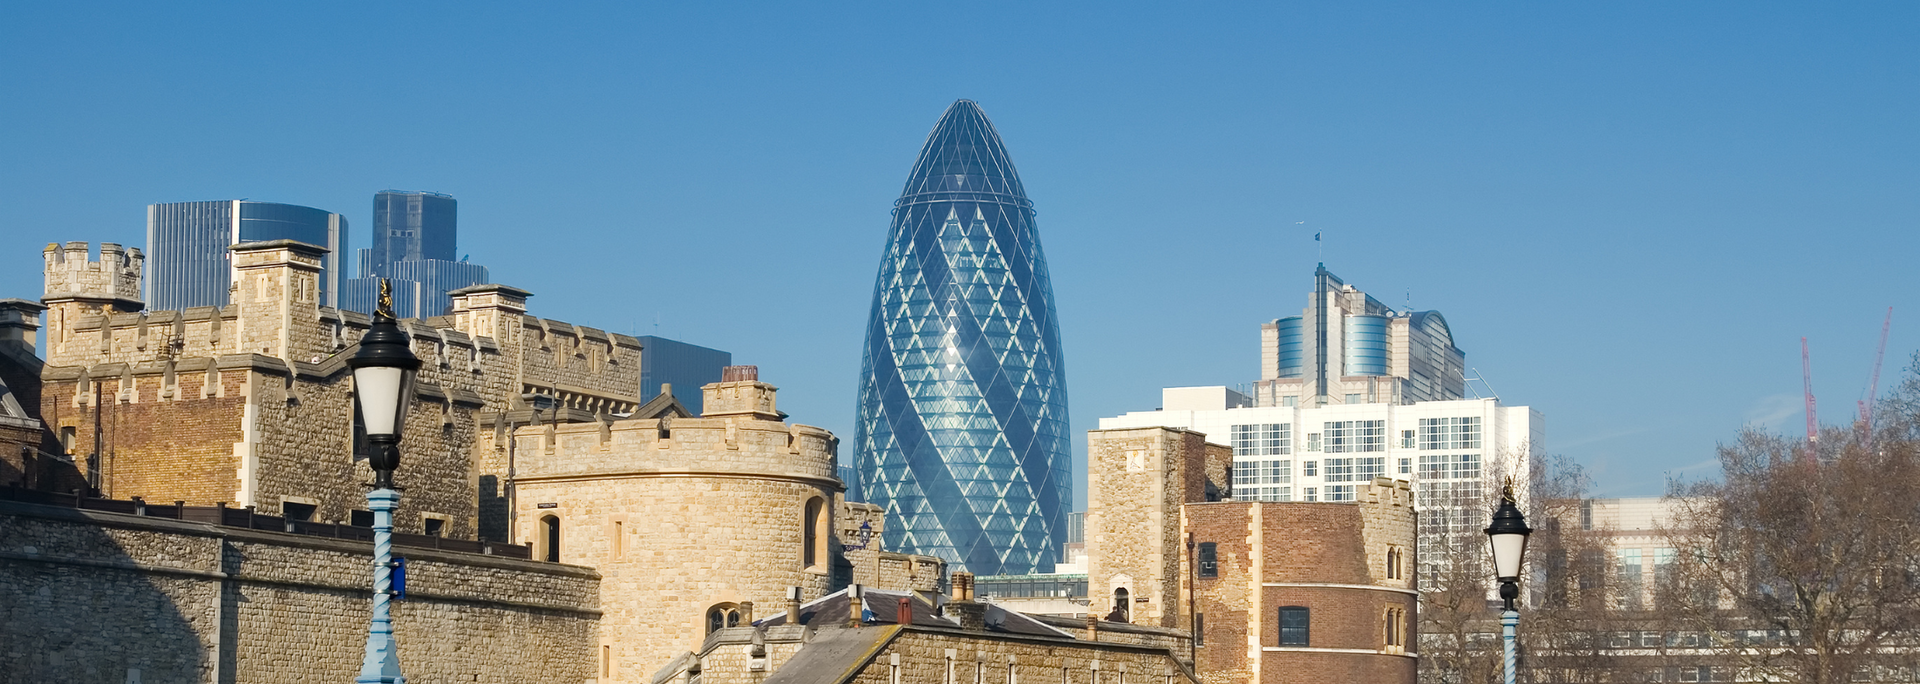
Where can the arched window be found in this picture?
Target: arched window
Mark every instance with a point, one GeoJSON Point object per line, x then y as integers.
{"type": "Point", "coordinates": [550, 538]}
{"type": "Point", "coordinates": [1122, 605]}
{"type": "Point", "coordinates": [723, 615]}
{"type": "Point", "coordinates": [812, 523]}
{"type": "Point", "coordinates": [1293, 626]}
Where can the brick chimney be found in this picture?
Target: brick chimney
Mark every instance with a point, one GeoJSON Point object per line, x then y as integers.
{"type": "Point", "coordinates": [971, 615]}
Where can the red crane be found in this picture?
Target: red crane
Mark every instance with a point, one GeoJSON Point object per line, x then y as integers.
{"type": "Point", "coordinates": [1806, 375]}
{"type": "Point", "coordinates": [1873, 385]}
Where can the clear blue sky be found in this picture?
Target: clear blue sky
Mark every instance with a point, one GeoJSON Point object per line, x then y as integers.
{"type": "Point", "coordinates": [1629, 212]}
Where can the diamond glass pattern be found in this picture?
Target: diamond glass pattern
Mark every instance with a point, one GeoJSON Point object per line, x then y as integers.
{"type": "Point", "coordinates": [962, 427]}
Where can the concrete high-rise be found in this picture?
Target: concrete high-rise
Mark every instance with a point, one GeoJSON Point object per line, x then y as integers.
{"type": "Point", "coordinates": [188, 263]}
{"type": "Point", "coordinates": [1348, 348]}
{"type": "Point", "coordinates": [962, 426]}
{"type": "Point", "coordinates": [415, 238]}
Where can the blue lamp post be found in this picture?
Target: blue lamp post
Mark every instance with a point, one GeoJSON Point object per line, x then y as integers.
{"type": "Point", "coordinates": [1508, 534]}
{"type": "Point", "coordinates": [383, 371]}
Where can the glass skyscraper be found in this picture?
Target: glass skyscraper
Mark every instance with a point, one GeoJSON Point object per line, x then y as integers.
{"type": "Point", "coordinates": [415, 236]}
{"type": "Point", "coordinates": [962, 426]}
{"type": "Point", "coordinates": [188, 263]}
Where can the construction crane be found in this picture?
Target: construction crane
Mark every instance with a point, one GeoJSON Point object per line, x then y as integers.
{"type": "Point", "coordinates": [1806, 376]}
{"type": "Point", "coordinates": [1873, 385]}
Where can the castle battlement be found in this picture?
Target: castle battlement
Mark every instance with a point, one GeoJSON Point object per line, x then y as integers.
{"type": "Point", "coordinates": [113, 279]}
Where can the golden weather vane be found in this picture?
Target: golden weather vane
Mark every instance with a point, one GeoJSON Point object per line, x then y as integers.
{"type": "Point", "coordinates": [384, 307]}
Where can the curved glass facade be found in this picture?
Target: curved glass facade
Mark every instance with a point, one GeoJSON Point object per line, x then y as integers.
{"type": "Point", "coordinates": [1367, 345]}
{"type": "Point", "coordinates": [1292, 348]}
{"type": "Point", "coordinates": [962, 426]}
{"type": "Point", "coordinates": [188, 263]}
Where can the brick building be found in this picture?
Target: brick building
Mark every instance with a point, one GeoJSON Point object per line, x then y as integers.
{"type": "Point", "coordinates": [1273, 592]}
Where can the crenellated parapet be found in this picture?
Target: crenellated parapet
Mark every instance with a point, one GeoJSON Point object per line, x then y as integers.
{"type": "Point", "coordinates": [111, 280]}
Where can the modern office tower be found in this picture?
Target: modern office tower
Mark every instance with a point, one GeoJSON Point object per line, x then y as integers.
{"type": "Point", "coordinates": [188, 263]}
{"type": "Point", "coordinates": [415, 238]}
{"type": "Point", "coordinates": [961, 431]}
{"type": "Point", "coordinates": [1449, 450]}
{"type": "Point", "coordinates": [1348, 348]}
{"type": "Point", "coordinates": [412, 226]}
{"type": "Point", "coordinates": [687, 367]}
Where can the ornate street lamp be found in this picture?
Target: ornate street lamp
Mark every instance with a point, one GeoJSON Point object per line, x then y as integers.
{"type": "Point", "coordinates": [383, 371]}
{"type": "Point", "coordinates": [1508, 535]}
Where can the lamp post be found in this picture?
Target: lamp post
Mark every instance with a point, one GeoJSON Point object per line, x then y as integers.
{"type": "Point", "coordinates": [1508, 535]}
{"type": "Point", "coordinates": [383, 371]}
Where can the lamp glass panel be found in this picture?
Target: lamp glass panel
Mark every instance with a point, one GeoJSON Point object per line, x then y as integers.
{"type": "Point", "coordinates": [1507, 550]}
{"type": "Point", "coordinates": [378, 389]}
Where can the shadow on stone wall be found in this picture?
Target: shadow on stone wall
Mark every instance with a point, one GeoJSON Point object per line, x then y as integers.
{"type": "Point", "coordinates": [493, 510]}
{"type": "Point", "coordinates": [76, 605]}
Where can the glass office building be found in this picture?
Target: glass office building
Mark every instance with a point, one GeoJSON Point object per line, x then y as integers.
{"type": "Point", "coordinates": [961, 431]}
{"type": "Point", "coordinates": [415, 238]}
{"type": "Point", "coordinates": [188, 263]}
{"type": "Point", "coordinates": [687, 367]}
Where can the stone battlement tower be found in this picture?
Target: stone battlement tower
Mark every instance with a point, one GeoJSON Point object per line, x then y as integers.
{"type": "Point", "coordinates": [113, 280]}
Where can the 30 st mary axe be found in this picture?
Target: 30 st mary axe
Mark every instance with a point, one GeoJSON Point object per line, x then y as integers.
{"type": "Point", "coordinates": [962, 426]}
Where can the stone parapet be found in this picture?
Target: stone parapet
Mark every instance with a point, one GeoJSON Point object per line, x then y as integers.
{"type": "Point", "coordinates": [107, 597]}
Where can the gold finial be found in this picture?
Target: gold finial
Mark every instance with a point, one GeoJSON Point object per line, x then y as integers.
{"type": "Point", "coordinates": [384, 307]}
{"type": "Point", "coordinates": [1506, 491]}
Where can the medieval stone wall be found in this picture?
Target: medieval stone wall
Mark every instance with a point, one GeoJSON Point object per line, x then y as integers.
{"type": "Point", "coordinates": [924, 657]}
{"type": "Point", "coordinates": [99, 597]}
{"type": "Point", "coordinates": [1137, 479]}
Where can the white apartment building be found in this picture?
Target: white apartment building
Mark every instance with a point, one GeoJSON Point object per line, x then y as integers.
{"type": "Point", "coordinates": [1297, 453]}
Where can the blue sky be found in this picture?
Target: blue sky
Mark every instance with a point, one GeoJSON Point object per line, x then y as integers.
{"type": "Point", "coordinates": [1629, 212]}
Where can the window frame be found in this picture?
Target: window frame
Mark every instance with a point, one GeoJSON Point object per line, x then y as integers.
{"type": "Point", "coordinates": [1303, 632]}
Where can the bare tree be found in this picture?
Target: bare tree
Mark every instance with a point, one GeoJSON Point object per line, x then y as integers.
{"type": "Point", "coordinates": [1459, 623]}
{"type": "Point", "coordinates": [1802, 564]}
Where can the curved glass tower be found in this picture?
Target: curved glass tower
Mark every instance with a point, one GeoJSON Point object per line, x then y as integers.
{"type": "Point", "coordinates": [962, 427]}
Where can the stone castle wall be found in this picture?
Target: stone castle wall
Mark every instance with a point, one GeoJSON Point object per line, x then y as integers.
{"type": "Point", "coordinates": [100, 597]}
{"type": "Point", "coordinates": [924, 655]}
{"type": "Point", "coordinates": [251, 404]}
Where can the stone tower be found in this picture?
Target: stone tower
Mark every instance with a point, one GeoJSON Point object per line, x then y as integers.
{"type": "Point", "coordinates": [78, 285]}
{"type": "Point", "coordinates": [1137, 482]}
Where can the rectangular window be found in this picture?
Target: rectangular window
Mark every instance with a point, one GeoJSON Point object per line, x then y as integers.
{"type": "Point", "coordinates": [434, 526]}
{"type": "Point", "coordinates": [1406, 439]}
{"type": "Point", "coordinates": [1348, 436]}
{"type": "Point", "coordinates": [1264, 439]}
{"type": "Point", "coordinates": [1312, 494]}
{"type": "Point", "coordinates": [1449, 466]}
{"type": "Point", "coordinates": [1628, 564]}
{"type": "Point", "coordinates": [1406, 466]}
{"type": "Point", "coordinates": [1339, 492]}
{"type": "Point", "coordinates": [1459, 432]}
{"type": "Point", "coordinates": [1289, 401]}
{"type": "Point", "coordinates": [1293, 626]}
{"type": "Point", "coordinates": [619, 539]}
{"type": "Point", "coordinates": [1353, 398]}
{"type": "Point", "coordinates": [1199, 630]}
{"type": "Point", "coordinates": [1209, 561]}
{"type": "Point", "coordinates": [360, 519]}
{"type": "Point", "coordinates": [1310, 468]}
{"type": "Point", "coordinates": [298, 511]}
{"type": "Point", "coordinates": [1313, 441]}
{"type": "Point", "coordinates": [1362, 469]}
